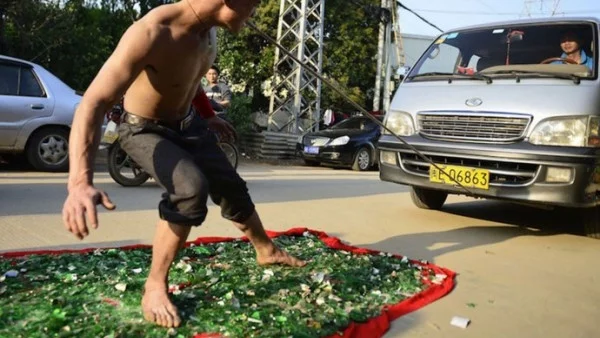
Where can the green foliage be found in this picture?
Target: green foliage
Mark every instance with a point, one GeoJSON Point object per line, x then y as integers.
{"type": "Point", "coordinates": [239, 113]}
{"type": "Point", "coordinates": [73, 38]}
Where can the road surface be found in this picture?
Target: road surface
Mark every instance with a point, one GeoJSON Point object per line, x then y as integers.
{"type": "Point", "coordinates": [524, 272]}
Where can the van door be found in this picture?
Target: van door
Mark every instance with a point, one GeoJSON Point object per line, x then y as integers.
{"type": "Point", "coordinates": [22, 98]}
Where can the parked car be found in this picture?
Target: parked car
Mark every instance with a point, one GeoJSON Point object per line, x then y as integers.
{"type": "Point", "coordinates": [36, 111]}
{"type": "Point", "coordinates": [503, 110]}
{"type": "Point", "coordinates": [348, 143]}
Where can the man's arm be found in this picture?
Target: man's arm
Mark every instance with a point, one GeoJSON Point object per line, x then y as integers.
{"type": "Point", "coordinates": [112, 81]}
{"type": "Point", "coordinates": [226, 96]}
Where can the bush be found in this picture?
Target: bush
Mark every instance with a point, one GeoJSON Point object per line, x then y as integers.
{"type": "Point", "coordinates": [239, 113]}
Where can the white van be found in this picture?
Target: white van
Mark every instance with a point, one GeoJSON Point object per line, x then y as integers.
{"type": "Point", "coordinates": [510, 110]}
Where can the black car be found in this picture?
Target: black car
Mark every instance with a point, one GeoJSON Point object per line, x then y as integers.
{"type": "Point", "coordinates": [348, 143]}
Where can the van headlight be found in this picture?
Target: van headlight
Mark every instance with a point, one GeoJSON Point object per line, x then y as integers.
{"type": "Point", "coordinates": [580, 131]}
{"type": "Point", "coordinates": [399, 123]}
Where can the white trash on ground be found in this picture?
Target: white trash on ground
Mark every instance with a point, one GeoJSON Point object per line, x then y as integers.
{"type": "Point", "coordinates": [461, 322]}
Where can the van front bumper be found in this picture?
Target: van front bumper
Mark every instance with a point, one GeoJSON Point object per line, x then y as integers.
{"type": "Point", "coordinates": [518, 172]}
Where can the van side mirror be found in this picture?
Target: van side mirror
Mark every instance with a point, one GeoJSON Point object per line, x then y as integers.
{"type": "Point", "coordinates": [402, 71]}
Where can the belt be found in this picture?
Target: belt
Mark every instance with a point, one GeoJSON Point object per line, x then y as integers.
{"type": "Point", "coordinates": [181, 124]}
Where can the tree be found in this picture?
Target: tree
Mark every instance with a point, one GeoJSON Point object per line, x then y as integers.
{"type": "Point", "coordinates": [350, 38]}
{"type": "Point", "coordinates": [73, 38]}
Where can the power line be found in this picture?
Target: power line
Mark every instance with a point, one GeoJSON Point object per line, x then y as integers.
{"type": "Point", "coordinates": [419, 16]}
{"type": "Point", "coordinates": [496, 13]}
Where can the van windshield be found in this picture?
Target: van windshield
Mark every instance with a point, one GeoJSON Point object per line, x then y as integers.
{"type": "Point", "coordinates": [559, 50]}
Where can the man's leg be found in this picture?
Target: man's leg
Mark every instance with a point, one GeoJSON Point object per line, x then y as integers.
{"type": "Point", "coordinates": [266, 251]}
{"type": "Point", "coordinates": [229, 191]}
{"type": "Point", "coordinates": [156, 306]}
{"type": "Point", "coordinates": [183, 205]}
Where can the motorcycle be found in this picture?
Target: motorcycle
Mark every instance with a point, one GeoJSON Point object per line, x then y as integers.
{"type": "Point", "coordinates": [118, 160]}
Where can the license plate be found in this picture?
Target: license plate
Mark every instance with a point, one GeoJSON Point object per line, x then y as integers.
{"type": "Point", "coordinates": [110, 133]}
{"type": "Point", "coordinates": [468, 177]}
{"type": "Point", "coordinates": [311, 150]}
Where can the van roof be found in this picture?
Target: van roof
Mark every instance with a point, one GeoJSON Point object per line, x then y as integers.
{"type": "Point", "coordinates": [529, 21]}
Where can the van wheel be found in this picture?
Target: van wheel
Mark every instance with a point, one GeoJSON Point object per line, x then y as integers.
{"type": "Point", "coordinates": [591, 222]}
{"type": "Point", "coordinates": [427, 198]}
{"type": "Point", "coordinates": [48, 149]}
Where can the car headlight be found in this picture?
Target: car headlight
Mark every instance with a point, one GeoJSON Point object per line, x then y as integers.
{"type": "Point", "coordinates": [580, 131]}
{"type": "Point", "coordinates": [399, 123]}
{"type": "Point", "coordinates": [340, 141]}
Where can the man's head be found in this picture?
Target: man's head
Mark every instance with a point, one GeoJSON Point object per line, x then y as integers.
{"type": "Point", "coordinates": [570, 42]}
{"type": "Point", "coordinates": [213, 74]}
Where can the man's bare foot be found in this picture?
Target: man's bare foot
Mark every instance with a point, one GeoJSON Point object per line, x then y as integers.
{"type": "Point", "coordinates": [274, 255]}
{"type": "Point", "coordinates": [157, 308]}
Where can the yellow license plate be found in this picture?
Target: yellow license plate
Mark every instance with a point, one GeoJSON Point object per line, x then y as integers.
{"type": "Point", "coordinates": [468, 177]}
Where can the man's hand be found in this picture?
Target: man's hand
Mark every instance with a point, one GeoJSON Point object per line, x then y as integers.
{"type": "Point", "coordinates": [80, 203]}
{"type": "Point", "coordinates": [222, 128]}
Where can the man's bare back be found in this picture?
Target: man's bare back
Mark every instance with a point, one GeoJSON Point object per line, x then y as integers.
{"type": "Point", "coordinates": [157, 66]}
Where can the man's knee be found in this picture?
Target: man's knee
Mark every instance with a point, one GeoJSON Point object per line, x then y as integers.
{"type": "Point", "coordinates": [185, 204]}
{"type": "Point", "coordinates": [234, 200]}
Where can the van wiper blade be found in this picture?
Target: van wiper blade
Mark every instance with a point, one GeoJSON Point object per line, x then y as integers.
{"type": "Point", "coordinates": [476, 76]}
{"type": "Point", "coordinates": [575, 78]}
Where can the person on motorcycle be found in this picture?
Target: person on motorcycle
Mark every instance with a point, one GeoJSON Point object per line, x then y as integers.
{"type": "Point", "coordinates": [217, 91]}
{"type": "Point", "coordinates": [157, 65]}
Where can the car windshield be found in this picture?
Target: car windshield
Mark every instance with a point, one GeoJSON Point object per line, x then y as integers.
{"type": "Point", "coordinates": [357, 123]}
{"type": "Point", "coordinates": [564, 50]}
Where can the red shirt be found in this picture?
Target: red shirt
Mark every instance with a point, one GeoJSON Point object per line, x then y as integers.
{"type": "Point", "coordinates": [202, 105]}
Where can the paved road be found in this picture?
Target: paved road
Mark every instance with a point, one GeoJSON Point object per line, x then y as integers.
{"type": "Point", "coordinates": [527, 272]}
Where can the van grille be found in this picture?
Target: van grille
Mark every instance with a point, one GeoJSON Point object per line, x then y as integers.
{"type": "Point", "coordinates": [501, 173]}
{"type": "Point", "coordinates": [471, 127]}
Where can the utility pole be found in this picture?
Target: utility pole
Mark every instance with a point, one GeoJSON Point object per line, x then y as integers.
{"type": "Point", "coordinates": [389, 45]}
{"type": "Point", "coordinates": [381, 48]}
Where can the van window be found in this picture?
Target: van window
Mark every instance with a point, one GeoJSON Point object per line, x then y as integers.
{"type": "Point", "coordinates": [528, 50]}
{"type": "Point", "coordinates": [441, 58]}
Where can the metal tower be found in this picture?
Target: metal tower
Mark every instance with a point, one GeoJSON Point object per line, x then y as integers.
{"type": "Point", "coordinates": [296, 94]}
{"type": "Point", "coordinates": [532, 8]}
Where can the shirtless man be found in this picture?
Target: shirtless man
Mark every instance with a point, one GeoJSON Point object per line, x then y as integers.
{"type": "Point", "coordinates": [158, 65]}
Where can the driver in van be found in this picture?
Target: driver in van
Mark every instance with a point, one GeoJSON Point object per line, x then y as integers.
{"type": "Point", "coordinates": [570, 44]}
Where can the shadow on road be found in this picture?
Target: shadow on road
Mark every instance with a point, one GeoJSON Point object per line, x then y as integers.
{"type": "Point", "coordinates": [517, 221]}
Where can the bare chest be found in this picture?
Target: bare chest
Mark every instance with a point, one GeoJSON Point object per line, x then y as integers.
{"type": "Point", "coordinates": [181, 64]}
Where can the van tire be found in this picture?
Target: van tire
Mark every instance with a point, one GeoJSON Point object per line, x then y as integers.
{"type": "Point", "coordinates": [427, 198]}
{"type": "Point", "coordinates": [590, 218]}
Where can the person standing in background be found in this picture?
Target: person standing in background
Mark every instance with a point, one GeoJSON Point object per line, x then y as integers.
{"type": "Point", "coordinates": [217, 92]}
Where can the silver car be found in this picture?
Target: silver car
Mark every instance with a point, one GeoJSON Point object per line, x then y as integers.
{"type": "Point", "coordinates": [36, 112]}
{"type": "Point", "coordinates": [508, 111]}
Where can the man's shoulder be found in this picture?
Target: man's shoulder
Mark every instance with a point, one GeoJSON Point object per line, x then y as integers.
{"type": "Point", "coordinates": [147, 31]}
{"type": "Point", "coordinates": [156, 23]}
